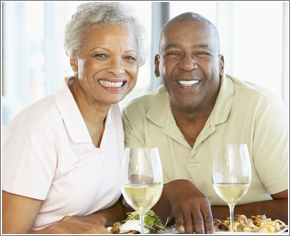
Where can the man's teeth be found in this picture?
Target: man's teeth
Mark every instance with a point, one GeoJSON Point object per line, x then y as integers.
{"type": "Point", "coordinates": [188, 82]}
{"type": "Point", "coordinates": [110, 84]}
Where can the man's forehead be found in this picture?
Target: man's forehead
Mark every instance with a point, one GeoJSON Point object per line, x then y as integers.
{"type": "Point", "coordinates": [171, 34]}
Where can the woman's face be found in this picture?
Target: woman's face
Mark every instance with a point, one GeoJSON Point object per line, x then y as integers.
{"type": "Point", "coordinates": [107, 64]}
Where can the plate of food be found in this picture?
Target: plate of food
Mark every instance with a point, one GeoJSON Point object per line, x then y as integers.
{"type": "Point", "coordinates": [255, 224]}
{"type": "Point", "coordinates": [152, 224]}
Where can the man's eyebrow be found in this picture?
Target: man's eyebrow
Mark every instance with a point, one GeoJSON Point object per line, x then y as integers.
{"type": "Point", "coordinates": [204, 46]}
{"type": "Point", "coordinates": [172, 46]}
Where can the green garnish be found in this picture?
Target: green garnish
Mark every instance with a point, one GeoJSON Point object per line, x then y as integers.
{"type": "Point", "coordinates": [117, 224]}
{"type": "Point", "coordinates": [236, 218]}
{"type": "Point", "coordinates": [152, 221]}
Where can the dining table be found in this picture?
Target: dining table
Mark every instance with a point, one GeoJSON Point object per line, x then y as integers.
{"type": "Point", "coordinates": [173, 230]}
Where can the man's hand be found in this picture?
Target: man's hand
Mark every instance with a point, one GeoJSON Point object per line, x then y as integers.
{"type": "Point", "coordinates": [190, 207]}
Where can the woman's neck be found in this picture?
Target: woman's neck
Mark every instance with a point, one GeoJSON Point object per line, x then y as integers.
{"type": "Point", "coordinates": [94, 113]}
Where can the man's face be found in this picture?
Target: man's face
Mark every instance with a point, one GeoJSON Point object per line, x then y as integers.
{"type": "Point", "coordinates": [189, 65]}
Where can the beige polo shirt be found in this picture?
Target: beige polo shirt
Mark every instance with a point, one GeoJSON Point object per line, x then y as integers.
{"type": "Point", "coordinates": [243, 113]}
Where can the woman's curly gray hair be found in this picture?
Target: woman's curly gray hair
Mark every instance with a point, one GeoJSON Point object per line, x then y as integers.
{"type": "Point", "coordinates": [94, 14]}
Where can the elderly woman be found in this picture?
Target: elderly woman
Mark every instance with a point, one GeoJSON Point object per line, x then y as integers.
{"type": "Point", "coordinates": [62, 155]}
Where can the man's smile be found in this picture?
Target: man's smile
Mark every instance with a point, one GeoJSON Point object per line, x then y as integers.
{"type": "Point", "coordinates": [188, 82]}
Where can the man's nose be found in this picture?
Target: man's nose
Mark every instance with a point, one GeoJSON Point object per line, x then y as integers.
{"type": "Point", "coordinates": [116, 67]}
{"type": "Point", "coordinates": [188, 63]}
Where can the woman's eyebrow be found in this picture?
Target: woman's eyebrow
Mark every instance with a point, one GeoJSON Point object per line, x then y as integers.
{"type": "Point", "coordinates": [99, 48]}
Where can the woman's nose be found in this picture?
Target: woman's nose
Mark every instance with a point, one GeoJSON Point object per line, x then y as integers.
{"type": "Point", "coordinates": [116, 67]}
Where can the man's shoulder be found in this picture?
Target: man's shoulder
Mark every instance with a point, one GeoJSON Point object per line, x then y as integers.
{"type": "Point", "coordinates": [145, 102]}
{"type": "Point", "coordinates": [252, 90]}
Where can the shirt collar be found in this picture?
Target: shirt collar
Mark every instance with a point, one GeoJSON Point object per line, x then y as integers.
{"type": "Point", "coordinates": [160, 112]}
{"type": "Point", "coordinates": [160, 109]}
{"type": "Point", "coordinates": [71, 115]}
{"type": "Point", "coordinates": [223, 105]}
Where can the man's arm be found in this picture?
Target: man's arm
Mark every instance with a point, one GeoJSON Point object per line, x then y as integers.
{"type": "Point", "coordinates": [274, 209]}
{"type": "Point", "coordinates": [182, 202]}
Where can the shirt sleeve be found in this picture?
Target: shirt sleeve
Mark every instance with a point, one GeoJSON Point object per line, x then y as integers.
{"type": "Point", "coordinates": [133, 138]}
{"type": "Point", "coordinates": [29, 162]}
{"type": "Point", "coordinates": [270, 146]}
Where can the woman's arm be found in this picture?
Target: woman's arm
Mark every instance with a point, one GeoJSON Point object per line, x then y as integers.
{"type": "Point", "coordinates": [19, 214]}
{"type": "Point", "coordinates": [106, 217]}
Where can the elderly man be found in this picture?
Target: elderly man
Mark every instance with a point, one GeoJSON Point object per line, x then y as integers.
{"type": "Point", "coordinates": [197, 107]}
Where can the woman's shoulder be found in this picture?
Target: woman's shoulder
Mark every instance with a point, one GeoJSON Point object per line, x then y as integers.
{"type": "Point", "coordinates": [40, 114]}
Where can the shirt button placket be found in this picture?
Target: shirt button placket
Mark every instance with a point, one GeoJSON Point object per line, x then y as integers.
{"type": "Point", "coordinates": [102, 156]}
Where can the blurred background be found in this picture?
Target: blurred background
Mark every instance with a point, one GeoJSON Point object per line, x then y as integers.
{"type": "Point", "coordinates": [254, 37]}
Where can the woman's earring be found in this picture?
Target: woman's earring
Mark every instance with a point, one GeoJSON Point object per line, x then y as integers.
{"type": "Point", "coordinates": [76, 74]}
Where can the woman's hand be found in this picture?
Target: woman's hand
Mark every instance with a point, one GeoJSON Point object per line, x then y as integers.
{"type": "Point", "coordinates": [189, 206]}
{"type": "Point", "coordinates": [95, 219]}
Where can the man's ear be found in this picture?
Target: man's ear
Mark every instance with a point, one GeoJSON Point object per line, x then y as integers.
{"type": "Point", "coordinates": [156, 62]}
{"type": "Point", "coordinates": [221, 65]}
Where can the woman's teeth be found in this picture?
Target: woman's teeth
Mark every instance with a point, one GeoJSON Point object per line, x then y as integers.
{"type": "Point", "coordinates": [110, 84]}
{"type": "Point", "coordinates": [188, 82]}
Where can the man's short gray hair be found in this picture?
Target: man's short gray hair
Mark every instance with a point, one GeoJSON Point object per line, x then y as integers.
{"type": "Point", "coordinates": [95, 14]}
{"type": "Point", "coordinates": [191, 16]}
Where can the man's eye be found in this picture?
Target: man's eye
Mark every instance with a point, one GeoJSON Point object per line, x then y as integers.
{"type": "Point", "coordinates": [172, 53]}
{"type": "Point", "coordinates": [203, 53]}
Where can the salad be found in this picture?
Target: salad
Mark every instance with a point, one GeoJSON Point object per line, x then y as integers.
{"type": "Point", "coordinates": [152, 224]}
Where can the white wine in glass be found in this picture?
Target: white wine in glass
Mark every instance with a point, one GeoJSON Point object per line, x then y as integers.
{"type": "Point", "coordinates": [231, 174]}
{"type": "Point", "coordinates": [142, 179]}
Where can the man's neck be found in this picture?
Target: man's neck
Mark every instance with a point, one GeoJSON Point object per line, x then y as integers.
{"type": "Point", "coordinates": [191, 123]}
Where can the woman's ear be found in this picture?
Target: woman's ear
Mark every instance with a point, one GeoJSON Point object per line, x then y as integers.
{"type": "Point", "coordinates": [156, 62]}
{"type": "Point", "coordinates": [74, 65]}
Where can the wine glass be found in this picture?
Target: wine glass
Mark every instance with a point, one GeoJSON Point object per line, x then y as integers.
{"type": "Point", "coordinates": [231, 174]}
{"type": "Point", "coordinates": [142, 179]}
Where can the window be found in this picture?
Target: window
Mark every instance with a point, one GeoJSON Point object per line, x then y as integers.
{"type": "Point", "coordinates": [251, 38]}
{"type": "Point", "coordinates": [254, 39]}
{"type": "Point", "coordinates": [34, 61]}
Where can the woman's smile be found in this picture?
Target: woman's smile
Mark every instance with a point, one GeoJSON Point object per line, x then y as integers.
{"type": "Point", "coordinates": [112, 85]}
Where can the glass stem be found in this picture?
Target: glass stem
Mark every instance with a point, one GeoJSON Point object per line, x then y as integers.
{"type": "Point", "coordinates": [231, 206]}
{"type": "Point", "coordinates": [142, 217]}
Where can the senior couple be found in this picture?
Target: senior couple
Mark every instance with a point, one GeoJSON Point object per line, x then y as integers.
{"type": "Point", "coordinates": [62, 154]}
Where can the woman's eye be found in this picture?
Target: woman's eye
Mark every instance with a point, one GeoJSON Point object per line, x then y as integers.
{"type": "Point", "coordinates": [100, 55]}
{"type": "Point", "coordinates": [130, 58]}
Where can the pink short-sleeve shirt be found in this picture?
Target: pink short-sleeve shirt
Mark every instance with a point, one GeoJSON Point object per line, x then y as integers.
{"type": "Point", "coordinates": [47, 154]}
